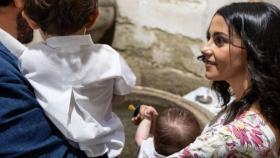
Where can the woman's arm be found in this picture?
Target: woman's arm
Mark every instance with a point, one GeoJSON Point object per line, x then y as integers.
{"type": "Point", "coordinates": [247, 136]}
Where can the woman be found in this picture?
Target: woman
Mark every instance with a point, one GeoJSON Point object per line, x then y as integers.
{"type": "Point", "coordinates": [242, 58]}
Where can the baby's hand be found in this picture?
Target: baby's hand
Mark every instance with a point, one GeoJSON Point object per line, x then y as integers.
{"type": "Point", "coordinates": [147, 112]}
{"type": "Point", "coordinates": [136, 120]}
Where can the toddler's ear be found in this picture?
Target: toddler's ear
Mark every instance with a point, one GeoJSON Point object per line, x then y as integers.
{"type": "Point", "coordinates": [18, 4]}
{"type": "Point", "coordinates": [91, 20]}
{"type": "Point", "coordinates": [30, 22]}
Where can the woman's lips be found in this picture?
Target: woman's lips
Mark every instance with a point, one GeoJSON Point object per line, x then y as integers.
{"type": "Point", "coordinates": [209, 65]}
{"type": "Point", "coordinates": [204, 59]}
{"type": "Point", "coordinates": [210, 62]}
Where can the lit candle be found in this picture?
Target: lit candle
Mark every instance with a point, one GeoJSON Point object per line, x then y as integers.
{"type": "Point", "coordinates": [135, 110]}
{"type": "Point", "coordinates": [205, 99]}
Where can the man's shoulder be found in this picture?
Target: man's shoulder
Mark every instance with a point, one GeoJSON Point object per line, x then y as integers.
{"type": "Point", "coordinates": [6, 54]}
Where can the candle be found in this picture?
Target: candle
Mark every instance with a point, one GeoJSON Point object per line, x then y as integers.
{"type": "Point", "coordinates": [135, 110]}
{"type": "Point", "coordinates": [205, 99]}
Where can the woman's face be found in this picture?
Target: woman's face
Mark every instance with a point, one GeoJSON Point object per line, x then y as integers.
{"type": "Point", "coordinates": [224, 57]}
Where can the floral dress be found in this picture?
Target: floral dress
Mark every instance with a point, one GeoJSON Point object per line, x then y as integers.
{"type": "Point", "coordinates": [247, 136]}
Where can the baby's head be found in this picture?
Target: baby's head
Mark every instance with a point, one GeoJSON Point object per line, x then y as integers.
{"type": "Point", "coordinates": [60, 17]}
{"type": "Point", "coordinates": [175, 128]}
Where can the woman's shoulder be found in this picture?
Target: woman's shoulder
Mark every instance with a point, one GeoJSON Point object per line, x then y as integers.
{"type": "Point", "coordinates": [248, 134]}
{"type": "Point", "coordinates": [253, 125]}
{"type": "Point", "coordinates": [250, 129]}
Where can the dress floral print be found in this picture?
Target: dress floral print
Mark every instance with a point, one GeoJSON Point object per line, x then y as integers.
{"type": "Point", "coordinates": [247, 136]}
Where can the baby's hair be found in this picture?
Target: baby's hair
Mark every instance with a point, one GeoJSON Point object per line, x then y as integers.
{"type": "Point", "coordinates": [175, 128]}
{"type": "Point", "coordinates": [60, 17]}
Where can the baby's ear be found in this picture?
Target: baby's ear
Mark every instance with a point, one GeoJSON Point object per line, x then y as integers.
{"type": "Point", "coordinates": [91, 20]}
{"type": "Point", "coordinates": [30, 22]}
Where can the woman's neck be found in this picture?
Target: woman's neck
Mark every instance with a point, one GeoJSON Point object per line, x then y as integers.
{"type": "Point", "coordinates": [240, 84]}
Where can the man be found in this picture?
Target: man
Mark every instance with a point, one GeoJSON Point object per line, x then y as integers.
{"type": "Point", "coordinates": [24, 129]}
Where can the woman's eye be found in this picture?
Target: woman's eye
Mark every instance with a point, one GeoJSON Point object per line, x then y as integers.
{"type": "Point", "coordinates": [220, 41]}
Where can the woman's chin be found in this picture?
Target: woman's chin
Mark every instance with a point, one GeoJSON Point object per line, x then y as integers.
{"type": "Point", "coordinates": [210, 76]}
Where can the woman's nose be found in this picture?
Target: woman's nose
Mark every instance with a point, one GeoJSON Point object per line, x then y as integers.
{"type": "Point", "coordinates": [205, 52]}
{"type": "Point", "coordinates": [206, 49]}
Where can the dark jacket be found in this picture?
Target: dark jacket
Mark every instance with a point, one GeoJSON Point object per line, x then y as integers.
{"type": "Point", "coordinates": [24, 129]}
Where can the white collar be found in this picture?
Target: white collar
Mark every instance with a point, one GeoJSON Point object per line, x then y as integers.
{"type": "Point", "coordinates": [69, 41]}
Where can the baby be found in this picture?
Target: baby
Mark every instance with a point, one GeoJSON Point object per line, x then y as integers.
{"type": "Point", "coordinates": [160, 135]}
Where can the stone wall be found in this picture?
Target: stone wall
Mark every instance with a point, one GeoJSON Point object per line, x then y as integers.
{"type": "Point", "coordinates": [161, 39]}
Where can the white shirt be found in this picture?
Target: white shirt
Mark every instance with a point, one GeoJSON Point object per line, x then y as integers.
{"type": "Point", "coordinates": [147, 149]}
{"type": "Point", "coordinates": [74, 81]}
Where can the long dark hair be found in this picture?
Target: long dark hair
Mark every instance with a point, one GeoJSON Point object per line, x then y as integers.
{"type": "Point", "coordinates": [258, 25]}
